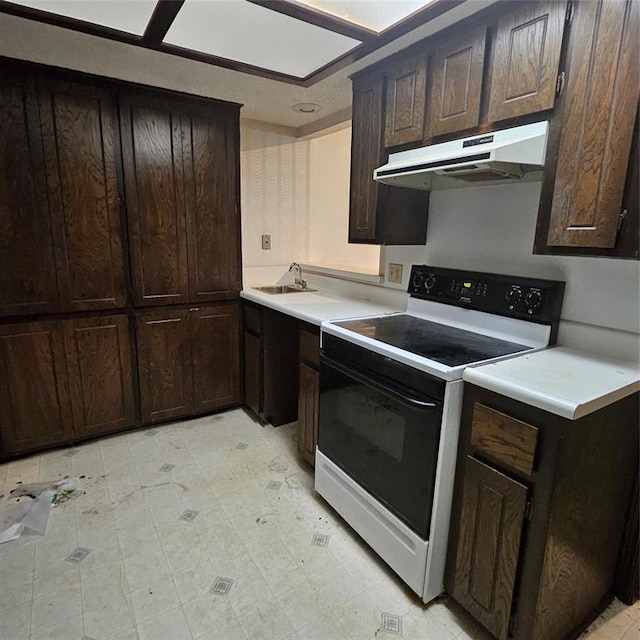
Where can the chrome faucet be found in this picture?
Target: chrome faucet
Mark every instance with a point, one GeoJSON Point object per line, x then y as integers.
{"type": "Point", "coordinates": [298, 280]}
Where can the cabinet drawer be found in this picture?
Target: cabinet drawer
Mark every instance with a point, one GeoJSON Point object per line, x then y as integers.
{"type": "Point", "coordinates": [309, 347]}
{"type": "Point", "coordinates": [251, 319]}
{"type": "Point", "coordinates": [503, 439]}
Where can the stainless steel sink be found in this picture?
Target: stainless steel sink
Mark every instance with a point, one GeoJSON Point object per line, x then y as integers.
{"type": "Point", "coordinates": [282, 288]}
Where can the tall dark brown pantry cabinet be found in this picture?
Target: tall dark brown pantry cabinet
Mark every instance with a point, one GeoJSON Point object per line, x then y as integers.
{"type": "Point", "coordinates": [113, 198]}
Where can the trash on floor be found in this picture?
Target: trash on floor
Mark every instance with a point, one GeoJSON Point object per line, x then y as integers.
{"type": "Point", "coordinates": [32, 515]}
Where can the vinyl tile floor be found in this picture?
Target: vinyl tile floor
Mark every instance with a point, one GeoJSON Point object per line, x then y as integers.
{"type": "Point", "coordinates": [208, 529]}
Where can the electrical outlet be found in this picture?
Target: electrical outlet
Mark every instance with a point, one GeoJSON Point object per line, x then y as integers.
{"type": "Point", "coordinates": [395, 273]}
{"type": "Point", "coordinates": [266, 242]}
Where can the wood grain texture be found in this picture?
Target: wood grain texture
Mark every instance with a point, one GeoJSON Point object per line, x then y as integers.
{"type": "Point", "coordinates": [78, 134]}
{"type": "Point", "coordinates": [525, 60]}
{"type": "Point", "coordinates": [215, 348]}
{"type": "Point", "coordinates": [211, 160]}
{"type": "Point", "coordinates": [34, 397]}
{"type": "Point", "coordinates": [507, 442]}
{"type": "Point", "coordinates": [309, 346]}
{"type": "Point", "coordinates": [456, 84]}
{"type": "Point", "coordinates": [406, 102]}
{"type": "Point", "coordinates": [27, 273]}
{"type": "Point", "coordinates": [164, 364]}
{"type": "Point", "coordinates": [98, 353]}
{"type": "Point", "coordinates": [253, 386]}
{"type": "Point", "coordinates": [308, 405]}
{"type": "Point", "coordinates": [154, 183]}
{"type": "Point", "coordinates": [488, 546]}
{"type": "Point", "coordinates": [602, 93]}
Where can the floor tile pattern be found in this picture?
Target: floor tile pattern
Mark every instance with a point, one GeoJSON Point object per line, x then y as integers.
{"type": "Point", "coordinates": [152, 574]}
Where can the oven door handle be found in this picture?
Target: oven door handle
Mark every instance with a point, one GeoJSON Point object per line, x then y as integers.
{"type": "Point", "coordinates": [391, 392]}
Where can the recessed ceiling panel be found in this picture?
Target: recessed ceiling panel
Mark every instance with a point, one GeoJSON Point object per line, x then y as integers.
{"type": "Point", "coordinates": [377, 15]}
{"type": "Point", "coordinates": [131, 16]}
{"type": "Point", "coordinates": [251, 34]}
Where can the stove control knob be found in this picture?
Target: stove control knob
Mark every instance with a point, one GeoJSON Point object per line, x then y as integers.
{"type": "Point", "coordinates": [430, 282]}
{"type": "Point", "coordinates": [417, 281]}
{"type": "Point", "coordinates": [533, 300]}
{"type": "Point", "coordinates": [513, 296]}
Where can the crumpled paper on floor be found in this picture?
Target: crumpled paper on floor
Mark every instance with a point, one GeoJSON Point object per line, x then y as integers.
{"type": "Point", "coordinates": [33, 517]}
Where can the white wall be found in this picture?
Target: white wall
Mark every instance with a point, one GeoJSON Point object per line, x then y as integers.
{"type": "Point", "coordinates": [492, 228]}
{"type": "Point", "coordinates": [329, 169]}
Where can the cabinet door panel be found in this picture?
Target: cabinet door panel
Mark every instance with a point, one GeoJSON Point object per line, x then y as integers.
{"type": "Point", "coordinates": [252, 372]}
{"type": "Point", "coordinates": [152, 152]}
{"type": "Point", "coordinates": [79, 130]}
{"type": "Point", "coordinates": [457, 84]}
{"type": "Point", "coordinates": [308, 404]}
{"type": "Point", "coordinates": [216, 356]}
{"type": "Point", "coordinates": [27, 273]}
{"type": "Point", "coordinates": [164, 364]}
{"type": "Point", "coordinates": [406, 97]}
{"type": "Point", "coordinates": [211, 179]}
{"type": "Point", "coordinates": [600, 107]}
{"type": "Point", "coordinates": [99, 365]}
{"type": "Point", "coordinates": [526, 58]}
{"type": "Point", "coordinates": [34, 397]}
{"type": "Point", "coordinates": [491, 520]}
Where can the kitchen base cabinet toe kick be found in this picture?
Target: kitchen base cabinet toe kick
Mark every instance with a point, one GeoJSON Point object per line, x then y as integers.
{"type": "Point", "coordinates": [539, 513]}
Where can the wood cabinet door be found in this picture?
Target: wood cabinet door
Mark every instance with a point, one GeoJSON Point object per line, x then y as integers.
{"type": "Point", "coordinates": [215, 344]}
{"type": "Point", "coordinates": [366, 155]}
{"type": "Point", "coordinates": [253, 372]}
{"type": "Point", "coordinates": [154, 190]}
{"type": "Point", "coordinates": [456, 84]}
{"type": "Point", "coordinates": [211, 166]}
{"type": "Point", "coordinates": [526, 56]}
{"type": "Point", "coordinates": [164, 364]}
{"type": "Point", "coordinates": [405, 102]}
{"type": "Point", "coordinates": [79, 137]}
{"type": "Point", "coordinates": [308, 404]}
{"type": "Point", "coordinates": [98, 352]}
{"type": "Point", "coordinates": [34, 396]}
{"type": "Point", "coordinates": [27, 269]}
{"type": "Point", "coordinates": [488, 548]}
{"type": "Point", "coordinates": [601, 98]}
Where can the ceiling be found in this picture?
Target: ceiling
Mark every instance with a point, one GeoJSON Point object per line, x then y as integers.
{"type": "Point", "coordinates": [270, 55]}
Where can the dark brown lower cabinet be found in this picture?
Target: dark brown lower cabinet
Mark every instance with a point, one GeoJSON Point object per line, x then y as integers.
{"type": "Point", "coordinates": [188, 360]}
{"type": "Point", "coordinates": [539, 514]}
{"type": "Point", "coordinates": [308, 392]}
{"type": "Point", "coordinates": [64, 379]}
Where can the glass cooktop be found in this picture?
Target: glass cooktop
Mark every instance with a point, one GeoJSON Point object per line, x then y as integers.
{"type": "Point", "coordinates": [448, 345]}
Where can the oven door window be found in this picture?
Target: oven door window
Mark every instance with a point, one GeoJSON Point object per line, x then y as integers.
{"type": "Point", "coordinates": [384, 436]}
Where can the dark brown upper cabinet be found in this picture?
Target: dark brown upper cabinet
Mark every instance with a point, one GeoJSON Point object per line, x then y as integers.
{"type": "Point", "coordinates": [181, 170]}
{"type": "Point", "coordinates": [406, 102]}
{"type": "Point", "coordinates": [378, 214]}
{"type": "Point", "coordinates": [79, 133]}
{"type": "Point", "coordinates": [98, 354]}
{"type": "Point", "coordinates": [526, 56]}
{"type": "Point", "coordinates": [35, 408]}
{"type": "Point", "coordinates": [211, 170]}
{"type": "Point", "coordinates": [154, 189]}
{"type": "Point", "coordinates": [597, 122]}
{"type": "Point", "coordinates": [456, 84]}
{"type": "Point", "coordinates": [27, 268]}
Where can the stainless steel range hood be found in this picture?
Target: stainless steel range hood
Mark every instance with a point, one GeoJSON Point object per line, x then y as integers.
{"type": "Point", "coordinates": [504, 155]}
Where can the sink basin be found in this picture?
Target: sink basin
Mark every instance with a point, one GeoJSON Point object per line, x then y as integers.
{"type": "Point", "coordinates": [282, 288]}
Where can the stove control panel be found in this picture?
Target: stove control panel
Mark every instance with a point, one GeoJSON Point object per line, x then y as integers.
{"type": "Point", "coordinates": [514, 296]}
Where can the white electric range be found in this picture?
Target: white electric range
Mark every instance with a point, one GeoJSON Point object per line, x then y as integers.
{"type": "Point", "coordinates": [390, 402]}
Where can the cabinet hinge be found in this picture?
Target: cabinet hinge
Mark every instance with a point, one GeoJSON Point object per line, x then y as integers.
{"type": "Point", "coordinates": [569, 15]}
{"type": "Point", "coordinates": [528, 510]}
{"type": "Point", "coordinates": [560, 83]}
{"type": "Point", "coordinates": [512, 625]}
{"type": "Point", "coordinates": [621, 219]}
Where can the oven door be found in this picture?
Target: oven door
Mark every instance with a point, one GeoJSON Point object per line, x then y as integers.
{"type": "Point", "coordinates": [384, 435]}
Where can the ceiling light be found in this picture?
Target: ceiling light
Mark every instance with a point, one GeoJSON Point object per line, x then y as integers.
{"type": "Point", "coordinates": [306, 107]}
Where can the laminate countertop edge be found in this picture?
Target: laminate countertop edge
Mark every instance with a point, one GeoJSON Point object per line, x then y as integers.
{"type": "Point", "coordinates": [562, 381]}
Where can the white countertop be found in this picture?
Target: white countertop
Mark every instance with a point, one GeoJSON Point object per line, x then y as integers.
{"type": "Point", "coordinates": [316, 307]}
{"type": "Point", "coordinates": [560, 380]}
